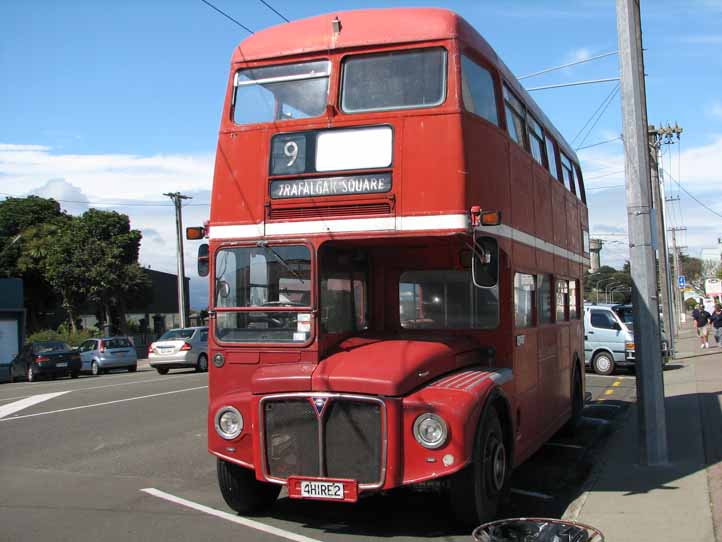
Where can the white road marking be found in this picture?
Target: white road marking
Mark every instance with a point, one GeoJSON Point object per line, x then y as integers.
{"type": "Point", "coordinates": [100, 404]}
{"type": "Point", "coordinates": [288, 535]}
{"type": "Point", "coordinates": [536, 494]}
{"type": "Point", "coordinates": [11, 408]}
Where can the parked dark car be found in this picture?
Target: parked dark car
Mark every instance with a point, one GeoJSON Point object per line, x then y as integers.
{"type": "Point", "coordinates": [45, 358]}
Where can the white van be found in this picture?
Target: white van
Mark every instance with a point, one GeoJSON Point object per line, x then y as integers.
{"type": "Point", "coordinates": [609, 338]}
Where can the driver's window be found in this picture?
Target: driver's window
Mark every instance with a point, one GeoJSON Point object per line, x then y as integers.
{"type": "Point", "coordinates": [602, 320]}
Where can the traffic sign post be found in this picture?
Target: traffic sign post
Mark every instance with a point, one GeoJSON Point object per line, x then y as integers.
{"type": "Point", "coordinates": [682, 281]}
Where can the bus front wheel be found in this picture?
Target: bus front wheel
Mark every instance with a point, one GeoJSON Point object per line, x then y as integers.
{"type": "Point", "coordinates": [242, 492]}
{"type": "Point", "coordinates": [478, 489]}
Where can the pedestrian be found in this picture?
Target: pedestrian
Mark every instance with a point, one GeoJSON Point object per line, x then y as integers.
{"type": "Point", "coordinates": [716, 320]}
{"type": "Point", "coordinates": [701, 324]}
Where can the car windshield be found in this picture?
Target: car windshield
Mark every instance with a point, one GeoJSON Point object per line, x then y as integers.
{"type": "Point", "coordinates": [278, 93]}
{"type": "Point", "coordinates": [625, 315]}
{"type": "Point", "coordinates": [175, 334]}
{"type": "Point", "coordinates": [47, 347]}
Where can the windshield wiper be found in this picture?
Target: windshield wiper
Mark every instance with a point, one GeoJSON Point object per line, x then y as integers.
{"type": "Point", "coordinates": [264, 244]}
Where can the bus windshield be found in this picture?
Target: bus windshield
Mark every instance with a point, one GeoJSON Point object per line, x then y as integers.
{"type": "Point", "coordinates": [248, 278]}
{"type": "Point", "coordinates": [277, 93]}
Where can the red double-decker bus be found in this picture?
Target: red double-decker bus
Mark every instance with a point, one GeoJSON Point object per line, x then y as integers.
{"type": "Point", "coordinates": [396, 244]}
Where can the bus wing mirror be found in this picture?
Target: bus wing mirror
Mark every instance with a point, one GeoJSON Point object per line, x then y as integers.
{"type": "Point", "coordinates": [485, 262]}
{"type": "Point", "coordinates": [203, 260]}
{"type": "Point", "coordinates": [195, 233]}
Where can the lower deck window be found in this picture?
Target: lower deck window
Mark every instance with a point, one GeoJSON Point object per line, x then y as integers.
{"type": "Point", "coordinates": [446, 299]}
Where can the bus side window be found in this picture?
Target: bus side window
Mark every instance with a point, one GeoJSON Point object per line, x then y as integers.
{"type": "Point", "coordinates": [567, 174]}
{"type": "Point", "coordinates": [563, 301]}
{"type": "Point", "coordinates": [544, 304]}
{"type": "Point", "coordinates": [552, 157]}
{"type": "Point", "coordinates": [477, 89]}
{"type": "Point", "coordinates": [536, 140]}
{"type": "Point", "coordinates": [578, 184]}
{"type": "Point", "coordinates": [524, 300]}
{"type": "Point", "coordinates": [573, 312]}
{"type": "Point", "coordinates": [514, 116]}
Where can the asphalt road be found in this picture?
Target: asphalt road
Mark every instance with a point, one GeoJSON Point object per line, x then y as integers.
{"type": "Point", "coordinates": [123, 456]}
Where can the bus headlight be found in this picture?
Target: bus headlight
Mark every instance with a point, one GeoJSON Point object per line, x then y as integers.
{"type": "Point", "coordinates": [229, 422]}
{"type": "Point", "coordinates": [430, 431]}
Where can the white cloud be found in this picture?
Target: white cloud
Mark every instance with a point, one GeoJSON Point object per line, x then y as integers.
{"type": "Point", "coordinates": [71, 198]}
{"type": "Point", "coordinates": [576, 55]}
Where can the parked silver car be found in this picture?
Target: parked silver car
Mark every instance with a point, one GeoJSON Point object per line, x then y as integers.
{"type": "Point", "coordinates": [179, 348]}
{"type": "Point", "coordinates": [100, 355]}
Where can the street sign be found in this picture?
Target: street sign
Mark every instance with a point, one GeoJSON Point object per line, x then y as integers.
{"type": "Point", "coordinates": [682, 281]}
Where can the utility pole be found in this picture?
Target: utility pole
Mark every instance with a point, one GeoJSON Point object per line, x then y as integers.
{"type": "Point", "coordinates": [665, 286]}
{"type": "Point", "coordinates": [645, 303]}
{"type": "Point", "coordinates": [177, 198]}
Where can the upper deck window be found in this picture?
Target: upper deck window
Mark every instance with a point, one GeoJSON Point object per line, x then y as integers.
{"type": "Point", "coordinates": [578, 183]}
{"type": "Point", "coordinates": [396, 80]}
{"type": "Point", "coordinates": [552, 157]}
{"type": "Point", "coordinates": [514, 116]}
{"type": "Point", "coordinates": [567, 172]}
{"type": "Point", "coordinates": [536, 140]}
{"type": "Point", "coordinates": [477, 89]}
{"type": "Point", "coordinates": [277, 93]}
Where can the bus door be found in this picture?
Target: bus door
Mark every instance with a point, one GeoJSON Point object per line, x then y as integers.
{"type": "Point", "coordinates": [526, 372]}
{"type": "Point", "coordinates": [547, 353]}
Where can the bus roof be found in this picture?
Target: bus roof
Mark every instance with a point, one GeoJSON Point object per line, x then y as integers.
{"type": "Point", "coordinates": [361, 28]}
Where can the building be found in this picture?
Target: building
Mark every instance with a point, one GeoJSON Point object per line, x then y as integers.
{"type": "Point", "coordinates": [158, 313]}
{"type": "Point", "coordinates": [12, 323]}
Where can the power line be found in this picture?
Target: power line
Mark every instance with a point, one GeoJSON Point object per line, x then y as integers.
{"type": "Point", "coordinates": [574, 84]}
{"type": "Point", "coordinates": [603, 187]}
{"type": "Point", "coordinates": [604, 175]}
{"type": "Point", "coordinates": [244, 27]}
{"type": "Point", "coordinates": [599, 143]}
{"type": "Point", "coordinates": [274, 10]}
{"type": "Point", "coordinates": [547, 70]}
{"type": "Point", "coordinates": [693, 197]}
{"type": "Point", "coordinates": [597, 115]}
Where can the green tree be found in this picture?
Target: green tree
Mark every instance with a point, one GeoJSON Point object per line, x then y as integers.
{"type": "Point", "coordinates": [115, 274]}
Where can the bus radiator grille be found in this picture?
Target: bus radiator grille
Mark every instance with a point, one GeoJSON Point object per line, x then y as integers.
{"type": "Point", "coordinates": [348, 432]}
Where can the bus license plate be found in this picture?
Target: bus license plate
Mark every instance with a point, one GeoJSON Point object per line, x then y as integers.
{"type": "Point", "coordinates": [335, 490]}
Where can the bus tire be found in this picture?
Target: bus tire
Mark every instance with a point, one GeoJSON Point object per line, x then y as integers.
{"type": "Point", "coordinates": [242, 492]}
{"type": "Point", "coordinates": [479, 488]}
{"type": "Point", "coordinates": [577, 404]}
{"type": "Point", "coordinates": [603, 363]}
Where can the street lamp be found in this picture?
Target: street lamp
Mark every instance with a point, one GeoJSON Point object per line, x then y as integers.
{"type": "Point", "coordinates": [596, 286]}
{"type": "Point", "coordinates": [619, 289]}
{"type": "Point", "coordinates": [606, 290]}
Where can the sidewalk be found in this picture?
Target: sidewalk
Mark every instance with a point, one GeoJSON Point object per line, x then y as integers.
{"type": "Point", "coordinates": [680, 502]}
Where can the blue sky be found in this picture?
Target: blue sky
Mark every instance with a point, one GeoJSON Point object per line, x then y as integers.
{"type": "Point", "coordinates": [106, 103]}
